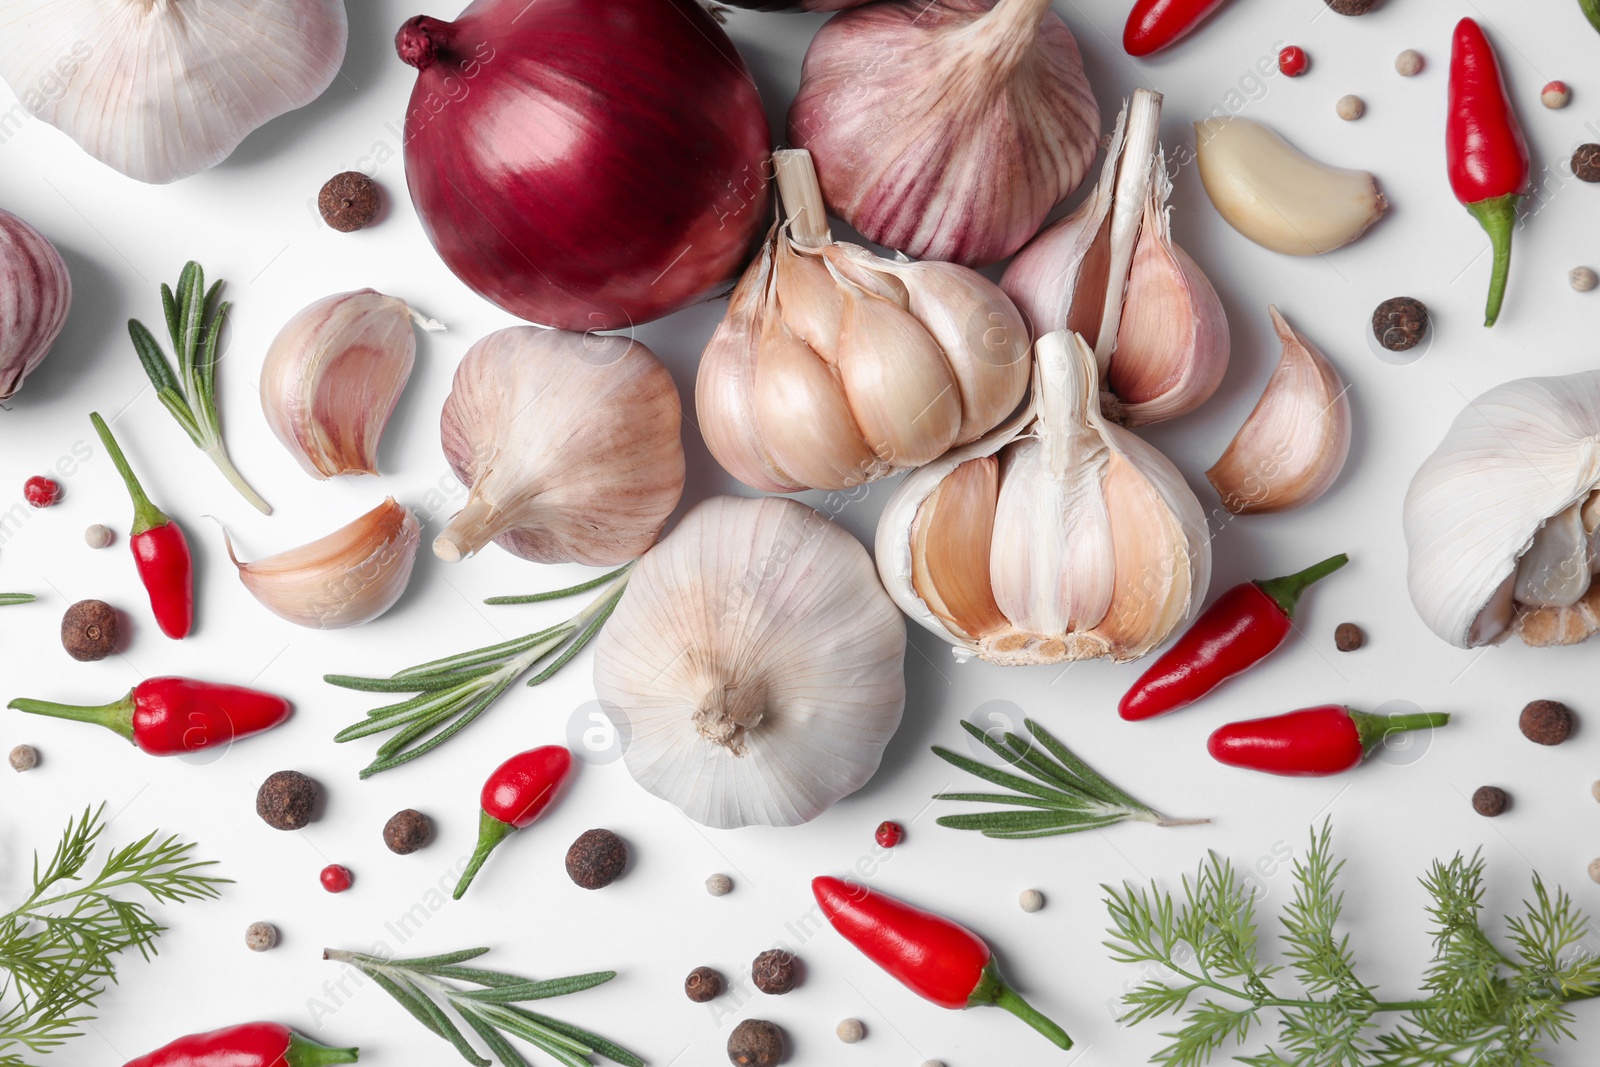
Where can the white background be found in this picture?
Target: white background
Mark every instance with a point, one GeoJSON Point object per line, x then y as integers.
{"type": "Point", "coordinates": [250, 221]}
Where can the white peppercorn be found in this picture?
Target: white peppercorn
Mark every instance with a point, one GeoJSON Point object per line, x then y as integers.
{"type": "Point", "coordinates": [258, 937]}
{"type": "Point", "coordinates": [1350, 107]}
{"type": "Point", "coordinates": [1408, 63]}
{"type": "Point", "coordinates": [1031, 900]}
{"type": "Point", "coordinates": [1582, 279]}
{"type": "Point", "coordinates": [98, 536]}
{"type": "Point", "coordinates": [24, 758]}
{"type": "Point", "coordinates": [850, 1031]}
{"type": "Point", "coordinates": [719, 885]}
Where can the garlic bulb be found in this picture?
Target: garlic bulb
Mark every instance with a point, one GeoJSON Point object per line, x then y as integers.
{"type": "Point", "coordinates": [1059, 537]}
{"type": "Point", "coordinates": [1110, 272]}
{"type": "Point", "coordinates": [1294, 442]}
{"type": "Point", "coordinates": [349, 577]}
{"type": "Point", "coordinates": [570, 444]}
{"type": "Point", "coordinates": [946, 129]}
{"type": "Point", "coordinates": [162, 89]}
{"type": "Point", "coordinates": [834, 366]}
{"type": "Point", "coordinates": [754, 664]}
{"type": "Point", "coordinates": [1501, 521]}
{"type": "Point", "coordinates": [1278, 196]}
{"type": "Point", "coordinates": [333, 375]}
{"type": "Point", "coordinates": [35, 293]}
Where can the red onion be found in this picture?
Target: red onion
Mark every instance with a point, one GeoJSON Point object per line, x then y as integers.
{"type": "Point", "coordinates": [586, 164]}
{"type": "Point", "coordinates": [35, 292]}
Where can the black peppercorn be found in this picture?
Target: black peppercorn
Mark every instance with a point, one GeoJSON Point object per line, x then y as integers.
{"type": "Point", "coordinates": [755, 1043]}
{"type": "Point", "coordinates": [1347, 637]}
{"type": "Point", "coordinates": [89, 630]}
{"type": "Point", "coordinates": [1490, 800]}
{"type": "Point", "coordinates": [348, 201]}
{"type": "Point", "coordinates": [1546, 722]}
{"type": "Point", "coordinates": [1353, 7]}
{"type": "Point", "coordinates": [703, 984]}
{"type": "Point", "coordinates": [1586, 162]}
{"type": "Point", "coordinates": [406, 831]}
{"type": "Point", "coordinates": [775, 972]}
{"type": "Point", "coordinates": [596, 859]}
{"type": "Point", "coordinates": [1400, 322]}
{"type": "Point", "coordinates": [285, 800]}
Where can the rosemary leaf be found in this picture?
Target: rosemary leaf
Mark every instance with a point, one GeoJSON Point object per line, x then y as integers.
{"type": "Point", "coordinates": [16, 598]}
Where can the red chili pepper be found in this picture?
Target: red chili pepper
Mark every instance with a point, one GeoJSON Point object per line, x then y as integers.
{"type": "Point", "coordinates": [160, 551]}
{"type": "Point", "coordinates": [935, 958]}
{"type": "Point", "coordinates": [1155, 24]}
{"type": "Point", "coordinates": [1243, 627]}
{"type": "Point", "coordinates": [170, 716]}
{"type": "Point", "coordinates": [515, 795]}
{"type": "Point", "coordinates": [247, 1045]}
{"type": "Point", "coordinates": [1483, 144]}
{"type": "Point", "coordinates": [1312, 742]}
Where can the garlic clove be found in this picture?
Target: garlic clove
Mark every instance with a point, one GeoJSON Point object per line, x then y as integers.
{"type": "Point", "coordinates": [809, 298]}
{"type": "Point", "coordinates": [900, 389]}
{"type": "Point", "coordinates": [820, 444]}
{"type": "Point", "coordinates": [35, 294]}
{"type": "Point", "coordinates": [349, 577]}
{"type": "Point", "coordinates": [950, 544]}
{"type": "Point", "coordinates": [1293, 444]}
{"type": "Point", "coordinates": [1278, 196]}
{"type": "Point", "coordinates": [1544, 627]}
{"type": "Point", "coordinates": [333, 376]}
{"type": "Point", "coordinates": [1554, 571]}
{"type": "Point", "coordinates": [1497, 617]}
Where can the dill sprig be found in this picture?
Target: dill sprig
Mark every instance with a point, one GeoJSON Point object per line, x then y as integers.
{"type": "Point", "coordinates": [491, 1011]}
{"type": "Point", "coordinates": [1481, 1004]}
{"type": "Point", "coordinates": [58, 946]}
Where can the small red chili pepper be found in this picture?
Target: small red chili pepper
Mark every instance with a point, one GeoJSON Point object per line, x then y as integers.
{"type": "Point", "coordinates": [1312, 742]}
{"type": "Point", "coordinates": [889, 834]}
{"type": "Point", "coordinates": [160, 551]}
{"type": "Point", "coordinates": [515, 795]}
{"type": "Point", "coordinates": [935, 958]}
{"type": "Point", "coordinates": [1485, 149]}
{"type": "Point", "coordinates": [1293, 61]}
{"type": "Point", "coordinates": [170, 716]}
{"type": "Point", "coordinates": [41, 492]}
{"type": "Point", "coordinates": [1155, 24]}
{"type": "Point", "coordinates": [246, 1045]}
{"type": "Point", "coordinates": [336, 878]}
{"type": "Point", "coordinates": [1244, 626]}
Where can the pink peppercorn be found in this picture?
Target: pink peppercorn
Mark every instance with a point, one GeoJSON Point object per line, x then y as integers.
{"type": "Point", "coordinates": [1293, 61]}
{"type": "Point", "coordinates": [336, 878]}
{"type": "Point", "coordinates": [889, 834]}
{"type": "Point", "coordinates": [41, 492]}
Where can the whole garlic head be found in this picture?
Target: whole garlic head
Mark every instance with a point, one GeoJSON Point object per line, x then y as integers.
{"type": "Point", "coordinates": [570, 444]}
{"type": "Point", "coordinates": [754, 664]}
{"type": "Point", "coordinates": [162, 89]}
{"type": "Point", "coordinates": [35, 293]}
{"type": "Point", "coordinates": [1501, 520]}
{"type": "Point", "coordinates": [1058, 537]}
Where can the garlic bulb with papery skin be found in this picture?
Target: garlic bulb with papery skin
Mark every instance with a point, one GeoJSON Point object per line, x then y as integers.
{"type": "Point", "coordinates": [1058, 537]}
{"type": "Point", "coordinates": [754, 665]}
{"type": "Point", "coordinates": [570, 446]}
{"type": "Point", "coordinates": [349, 577]}
{"type": "Point", "coordinates": [1294, 442]}
{"type": "Point", "coordinates": [1110, 272]}
{"type": "Point", "coordinates": [333, 375]}
{"type": "Point", "coordinates": [35, 293]}
{"type": "Point", "coordinates": [946, 129]}
{"type": "Point", "coordinates": [1501, 520]}
{"type": "Point", "coordinates": [162, 89]}
{"type": "Point", "coordinates": [835, 367]}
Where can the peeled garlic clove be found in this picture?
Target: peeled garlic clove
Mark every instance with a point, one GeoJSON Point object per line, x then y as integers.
{"type": "Point", "coordinates": [972, 120]}
{"type": "Point", "coordinates": [333, 376]}
{"type": "Point", "coordinates": [950, 541]}
{"type": "Point", "coordinates": [1278, 196]}
{"type": "Point", "coordinates": [162, 90]}
{"type": "Point", "coordinates": [754, 663]}
{"type": "Point", "coordinates": [1554, 571]}
{"type": "Point", "coordinates": [1544, 627]}
{"type": "Point", "coordinates": [349, 577]}
{"type": "Point", "coordinates": [569, 443]}
{"type": "Point", "coordinates": [1293, 444]}
{"type": "Point", "coordinates": [35, 293]}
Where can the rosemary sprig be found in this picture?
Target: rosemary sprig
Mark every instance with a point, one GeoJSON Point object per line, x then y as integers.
{"type": "Point", "coordinates": [1065, 796]}
{"type": "Point", "coordinates": [58, 946]}
{"type": "Point", "coordinates": [453, 691]}
{"type": "Point", "coordinates": [194, 322]}
{"type": "Point", "coordinates": [16, 598]}
{"type": "Point", "coordinates": [425, 987]}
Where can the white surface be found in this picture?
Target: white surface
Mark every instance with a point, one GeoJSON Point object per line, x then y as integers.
{"type": "Point", "coordinates": [252, 222]}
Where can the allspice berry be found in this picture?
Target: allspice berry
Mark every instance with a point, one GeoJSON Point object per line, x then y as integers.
{"type": "Point", "coordinates": [89, 630]}
{"type": "Point", "coordinates": [285, 800]}
{"type": "Point", "coordinates": [1353, 7]}
{"type": "Point", "coordinates": [703, 984]}
{"type": "Point", "coordinates": [1546, 722]}
{"type": "Point", "coordinates": [349, 201]}
{"type": "Point", "coordinates": [1347, 637]}
{"type": "Point", "coordinates": [1490, 800]}
{"type": "Point", "coordinates": [596, 859]}
{"type": "Point", "coordinates": [1400, 322]}
{"type": "Point", "coordinates": [1586, 162]}
{"type": "Point", "coordinates": [755, 1043]}
{"type": "Point", "coordinates": [258, 937]}
{"type": "Point", "coordinates": [775, 971]}
{"type": "Point", "coordinates": [406, 831]}
{"type": "Point", "coordinates": [24, 758]}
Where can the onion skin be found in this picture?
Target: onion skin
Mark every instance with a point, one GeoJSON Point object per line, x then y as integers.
{"type": "Point", "coordinates": [586, 167]}
{"type": "Point", "coordinates": [35, 294]}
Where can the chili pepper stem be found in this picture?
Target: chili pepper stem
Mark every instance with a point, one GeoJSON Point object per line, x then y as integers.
{"type": "Point", "coordinates": [146, 516]}
{"type": "Point", "coordinates": [992, 989]}
{"type": "Point", "coordinates": [116, 716]}
{"type": "Point", "coordinates": [491, 831]}
{"type": "Point", "coordinates": [1372, 729]}
{"type": "Point", "coordinates": [304, 1052]}
{"type": "Point", "coordinates": [1286, 591]}
{"type": "Point", "coordinates": [1498, 217]}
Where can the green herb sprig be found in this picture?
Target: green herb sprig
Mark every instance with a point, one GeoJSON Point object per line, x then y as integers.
{"type": "Point", "coordinates": [425, 987]}
{"type": "Point", "coordinates": [194, 322]}
{"type": "Point", "coordinates": [1481, 1005]}
{"type": "Point", "coordinates": [7, 599]}
{"type": "Point", "coordinates": [454, 691]}
{"type": "Point", "coordinates": [58, 946]}
{"type": "Point", "coordinates": [1065, 796]}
